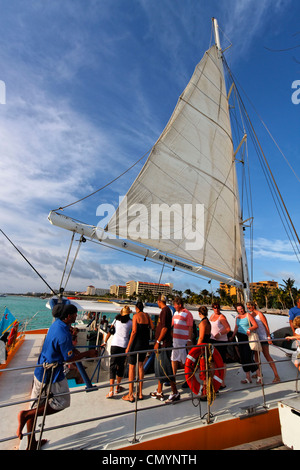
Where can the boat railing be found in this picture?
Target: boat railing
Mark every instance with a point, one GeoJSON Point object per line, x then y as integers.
{"type": "Point", "coordinates": [147, 378]}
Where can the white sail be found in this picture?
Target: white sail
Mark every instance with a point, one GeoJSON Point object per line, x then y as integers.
{"type": "Point", "coordinates": [190, 178]}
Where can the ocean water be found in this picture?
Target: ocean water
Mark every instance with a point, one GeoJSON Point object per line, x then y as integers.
{"type": "Point", "coordinates": [29, 309]}
{"type": "Point", "coordinates": [33, 310]}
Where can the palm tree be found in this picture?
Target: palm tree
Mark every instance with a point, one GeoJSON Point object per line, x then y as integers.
{"type": "Point", "coordinates": [279, 296]}
{"type": "Point", "coordinates": [264, 292]}
{"type": "Point", "coordinates": [288, 287]}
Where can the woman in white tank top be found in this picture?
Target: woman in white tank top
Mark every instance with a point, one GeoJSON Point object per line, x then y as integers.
{"type": "Point", "coordinates": [265, 338]}
{"type": "Point", "coordinates": [219, 329]}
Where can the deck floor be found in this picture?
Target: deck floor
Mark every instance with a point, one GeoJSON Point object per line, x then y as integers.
{"type": "Point", "coordinates": [96, 423]}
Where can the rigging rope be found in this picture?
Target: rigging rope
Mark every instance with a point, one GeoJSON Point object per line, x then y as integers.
{"type": "Point", "coordinates": [82, 240]}
{"type": "Point", "coordinates": [275, 192]}
{"type": "Point", "coordinates": [105, 186]}
{"type": "Point", "coordinates": [19, 251]}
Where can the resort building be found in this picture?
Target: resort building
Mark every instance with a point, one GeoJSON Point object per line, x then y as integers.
{"type": "Point", "coordinates": [118, 291]}
{"type": "Point", "coordinates": [139, 287]}
{"type": "Point", "coordinates": [90, 290]}
{"type": "Point", "coordinates": [271, 285]}
{"type": "Point", "coordinates": [100, 291]}
{"type": "Point", "coordinates": [230, 290]}
{"type": "Point", "coordinates": [254, 286]}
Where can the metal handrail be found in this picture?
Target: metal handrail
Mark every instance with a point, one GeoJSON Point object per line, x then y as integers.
{"type": "Point", "coordinates": [136, 381]}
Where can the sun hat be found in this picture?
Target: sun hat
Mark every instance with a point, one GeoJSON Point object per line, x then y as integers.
{"type": "Point", "coordinates": [125, 310]}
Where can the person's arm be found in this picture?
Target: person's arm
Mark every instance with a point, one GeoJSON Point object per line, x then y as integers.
{"type": "Point", "coordinates": [106, 339]}
{"type": "Point", "coordinates": [201, 332]}
{"type": "Point", "coordinates": [81, 355]}
{"type": "Point", "coordinates": [190, 340]}
{"type": "Point", "coordinates": [253, 325]}
{"type": "Point", "coordinates": [292, 326]}
{"type": "Point", "coordinates": [290, 338]}
{"type": "Point", "coordinates": [161, 337]}
{"type": "Point", "coordinates": [234, 332]}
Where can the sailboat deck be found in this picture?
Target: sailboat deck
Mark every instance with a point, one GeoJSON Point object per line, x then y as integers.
{"type": "Point", "coordinates": [94, 422]}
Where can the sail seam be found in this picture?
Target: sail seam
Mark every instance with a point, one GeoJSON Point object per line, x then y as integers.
{"type": "Point", "coordinates": [208, 117]}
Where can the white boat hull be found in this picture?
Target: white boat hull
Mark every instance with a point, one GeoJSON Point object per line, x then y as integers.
{"type": "Point", "coordinates": [289, 415]}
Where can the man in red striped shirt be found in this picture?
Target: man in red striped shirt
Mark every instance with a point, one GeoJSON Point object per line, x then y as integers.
{"type": "Point", "coordinates": [182, 322]}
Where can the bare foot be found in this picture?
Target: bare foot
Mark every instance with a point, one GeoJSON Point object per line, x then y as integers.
{"type": "Point", "coordinates": [22, 421]}
{"type": "Point", "coordinates": [128, 398]}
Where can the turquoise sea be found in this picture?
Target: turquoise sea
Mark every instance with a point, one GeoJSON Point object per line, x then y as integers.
{"type": "Point", "coordinates": [31, 309]}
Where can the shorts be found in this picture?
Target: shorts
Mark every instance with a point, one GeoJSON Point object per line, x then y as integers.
{"type": "Point", "coordinates": [163, 367]}
{"type": "Point", "coordinates": [179, 355]}
{"type": "Point", "coordinates": [57, 403]}
{"type": "Point", "coordinates": [117, 364]}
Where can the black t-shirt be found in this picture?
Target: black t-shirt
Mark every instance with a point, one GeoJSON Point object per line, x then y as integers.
{"type": "Point", "coordinates": [165, 321]}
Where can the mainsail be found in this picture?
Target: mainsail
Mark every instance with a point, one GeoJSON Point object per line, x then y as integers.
{"type": "Point", "coordinates": [185, 200]}
{"type": "Point", "coordinates": [183, 208]}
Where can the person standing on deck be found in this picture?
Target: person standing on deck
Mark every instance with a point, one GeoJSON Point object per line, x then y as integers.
{"type": "Point", "coordinates": [162, 363]}
{"type": "Point", "coordinates": [265, 338]}
{"type": "Point", "coordinates": [57, 348]}
{"type": "Point", "coordinates": [244, 324]}
{"type": "Point", "coordinates": [219, 330]}
{"type": "Point", "coordinates": [182, 322]}
{"type": "Point", "coordinates": [293, 313]}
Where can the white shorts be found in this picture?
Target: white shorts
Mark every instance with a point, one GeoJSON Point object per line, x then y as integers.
{"type": "Point", "coordinates": [179, 355]}
{"type": "Point", "coordinates": [57, 403]}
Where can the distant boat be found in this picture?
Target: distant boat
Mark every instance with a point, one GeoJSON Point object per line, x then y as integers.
{"type": "Point", "coordinates": [2, 295]}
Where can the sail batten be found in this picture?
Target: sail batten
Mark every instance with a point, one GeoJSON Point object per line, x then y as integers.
{"type": "Point", "coordinates": [185, 200]}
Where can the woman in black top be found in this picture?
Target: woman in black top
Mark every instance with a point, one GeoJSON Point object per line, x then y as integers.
{"type": "Point", "coordinates": [139, 341]}
{"type": "Point", "coordinates": [204, 326]}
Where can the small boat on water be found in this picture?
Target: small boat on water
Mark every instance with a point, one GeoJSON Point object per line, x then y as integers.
{"type": "Point", "coordinates": [196, 153]}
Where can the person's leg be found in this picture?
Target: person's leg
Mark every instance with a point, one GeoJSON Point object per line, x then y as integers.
{"type": "Point", "coordinates": [266, 353]}
{"type": "Point", "coordinates": [27, 417]}
{"type": "Point", "coordinates": [131, 376]}
{"type": "Point", "coordinates": [141, 377]}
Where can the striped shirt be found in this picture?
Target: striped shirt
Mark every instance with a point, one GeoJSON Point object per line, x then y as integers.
{"type": "Point", "coordinates": [182, 322]}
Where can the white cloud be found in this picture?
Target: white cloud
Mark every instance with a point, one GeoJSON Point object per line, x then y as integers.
{"type": "Point", "coordinates": [244, 20]}
{"type": "Point", "coordinates": [280, 250]}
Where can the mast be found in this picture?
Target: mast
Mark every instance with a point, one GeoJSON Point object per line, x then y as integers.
{"type": "Point", "coordinates": [216, 34]}
{"type": "Point", "coordinates": [246, 287]}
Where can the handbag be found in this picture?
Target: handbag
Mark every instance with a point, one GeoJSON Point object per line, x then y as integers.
{"type": "Point", "coordinates": [254, 344]}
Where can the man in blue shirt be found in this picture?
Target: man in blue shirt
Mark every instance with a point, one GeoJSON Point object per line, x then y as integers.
{"type": "Point", "coordinates": [57, 349]}
{"type": "Point", "coordinates": [294, 312]}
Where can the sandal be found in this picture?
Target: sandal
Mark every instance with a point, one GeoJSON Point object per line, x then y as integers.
{"type": "Point", "coordinates": [246, 381]}
{"type": "Point", "coordinates": [158, 396]}
{"type": "Point", "coordinates": [110, 394]}
{"type": "Point", "coordinates": [120, 389]}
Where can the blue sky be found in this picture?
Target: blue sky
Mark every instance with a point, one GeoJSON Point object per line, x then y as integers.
{"type": "Point", "coordinates": [91, 84]}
